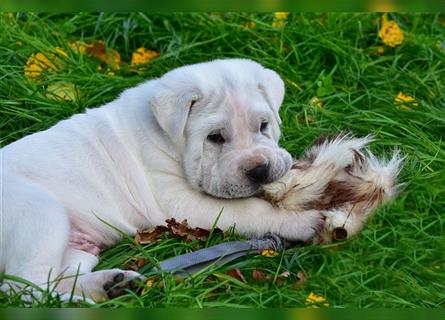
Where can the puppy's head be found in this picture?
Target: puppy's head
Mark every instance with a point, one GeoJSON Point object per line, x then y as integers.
{"type": "Point", "coordinates": [223, 118]}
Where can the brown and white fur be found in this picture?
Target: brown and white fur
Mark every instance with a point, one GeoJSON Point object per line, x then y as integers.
{"type": "Point", "coordinates": [342, 180]}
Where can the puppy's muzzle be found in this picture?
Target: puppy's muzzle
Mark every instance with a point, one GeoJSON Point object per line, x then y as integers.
{"type": "Point", "coordinates": [259, 174]}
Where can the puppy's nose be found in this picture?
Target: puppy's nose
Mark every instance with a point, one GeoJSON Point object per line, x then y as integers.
{"type": "Point", "coordinates": [259, 174]}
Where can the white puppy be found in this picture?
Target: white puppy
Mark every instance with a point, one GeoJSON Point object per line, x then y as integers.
{"type": "Point", "coordinates": [184, 145]}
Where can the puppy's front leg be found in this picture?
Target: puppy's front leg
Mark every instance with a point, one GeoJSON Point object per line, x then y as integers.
{"type": "Point", "coordinates": [250, 216]}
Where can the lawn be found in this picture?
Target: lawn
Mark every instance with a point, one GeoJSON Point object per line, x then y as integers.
{"type": "Point", "coordinates": [339, 75]}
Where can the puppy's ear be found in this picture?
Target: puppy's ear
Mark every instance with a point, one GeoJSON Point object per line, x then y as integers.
{"type": "Point", "coordinates": [272, 88]}
{"type": "Point", "coordinates": [171, 107]}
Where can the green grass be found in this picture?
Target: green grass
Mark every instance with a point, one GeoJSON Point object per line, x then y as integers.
{"type": "Point", "coordinates": [397, 261]}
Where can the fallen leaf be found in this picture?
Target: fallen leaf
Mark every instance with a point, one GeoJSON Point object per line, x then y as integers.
{"type": "Point", "coordinates": [237, 274]}
{"type": "Point", "coordinates": [402, 98]}
{"type": "Point", "coordinates": [143, 56]}
{"type": "Point", "coordinates": [280, 281]}
{"type": "Point", "coordinates": [109, 56]}
{"type": "Point", "coordinates": [136, 263]}
{"type": "Point", "coordinates": [249, 24]}
{"type": "Point", "coordinates": [316, 102]}
{"type": "Point", "coordinates": [269, 253]}
{"type": "Point", "coordinates": [61, 52]}
{"type": "Point", "coordinates": [380, 50]}
{"type": "Point", "coordinates": [285, 274]}
{"type": "Point", "coordinates": [79, 47]}
{"type": "Point", "coordinates": [281, 15]}
{"type": "Point", "coordinates": [390, 32]}
{"type": "Point", "coordinates": [62, 91]}
{"type": "Point", "coordinates": [39, 63]}
{"type": "Point", "coordinates": [278, 23]}
{"type": "Point", "coordinates": [149, 283]}
{"type": "Point", "coordinates": [182, 230]}
{"type": "Point", "coordinates": [259, 275]}
{"type": "Point", "coordinates": [150, 235]}
{"type": "Point", "coordinates": [173, 229]}
{"type": "Point", "coordinates": [313, 300]}
{"type": "Point", "coordinates": [301, 280]}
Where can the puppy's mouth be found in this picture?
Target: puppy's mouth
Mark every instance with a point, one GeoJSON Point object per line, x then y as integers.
{"type": "Point", "coordinates": [239, 191]}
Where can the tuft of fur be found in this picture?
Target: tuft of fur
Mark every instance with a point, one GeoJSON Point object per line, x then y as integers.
{"type": "Point", "coordinates": [341, 179]}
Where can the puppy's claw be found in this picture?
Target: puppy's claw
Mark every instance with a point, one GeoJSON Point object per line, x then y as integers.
{"type": "Point", "coordinates": [122, 283]}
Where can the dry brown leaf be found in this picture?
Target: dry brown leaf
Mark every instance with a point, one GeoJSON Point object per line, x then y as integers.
{"type": "Point", "coordinates": [109, 56]}
{"type": "Point", "coordinates": [280, 281]}
{"type": "Point", "coordinates": [237, 274]}
{"type": "Point", "coordinates": [259, 275]}
{"type": "Point", "coordinates": [301, 280]}
{"type": "Point", "coordinates": [173, 229]}
{"type": "Point", "coordinates": [184, 231]}
{"type": "Point", "coordinates": [136, 263]}
{"type": "Point", "coordinates": [150, 235]}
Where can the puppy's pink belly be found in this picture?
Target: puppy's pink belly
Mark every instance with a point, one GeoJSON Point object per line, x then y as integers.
{"type": "Point", "coordinates": [82, 241]}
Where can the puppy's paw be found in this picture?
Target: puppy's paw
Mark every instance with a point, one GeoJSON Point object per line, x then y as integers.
{"type": "Point", "coordinates": [69, 298]}
{"type": "Point", "coordinates": [304, 226]}
{"type": "Point", "coordinates": [120, 282]}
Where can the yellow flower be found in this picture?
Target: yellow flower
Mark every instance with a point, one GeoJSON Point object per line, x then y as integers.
{"type": "Point", "coordinates": [62, 91]}
{"type": "Point", "coordinates": [269, 253]}
{"type": "Point", "coordinates": [313, 299]}
{"type": "Point", "coordinates": [281, 15]}
{"type": "Point", "coordinates": [401, 98]}
{"type": "Point", "coordinates": [390, 32]}
{"type": "Point", "coordinates": [38, 63]}
{"type": "Point", "coordinates": [143, 56]}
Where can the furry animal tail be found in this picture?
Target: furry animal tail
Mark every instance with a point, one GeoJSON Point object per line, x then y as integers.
{"type": "Point", "coordinates": [341, 179]}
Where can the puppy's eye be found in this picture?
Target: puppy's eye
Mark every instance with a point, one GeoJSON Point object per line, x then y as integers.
{"type": "Point", "coordinates": [216, 138]}
{"type": "Point", "coordinates": [264, 125]}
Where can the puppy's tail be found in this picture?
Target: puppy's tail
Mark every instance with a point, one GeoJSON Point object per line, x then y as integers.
{"type": "Point", "coordinates": [373, 180]}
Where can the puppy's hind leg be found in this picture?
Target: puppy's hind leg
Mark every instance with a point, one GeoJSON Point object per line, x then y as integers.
{"type": "Point", "coordinates": [34, 232]}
